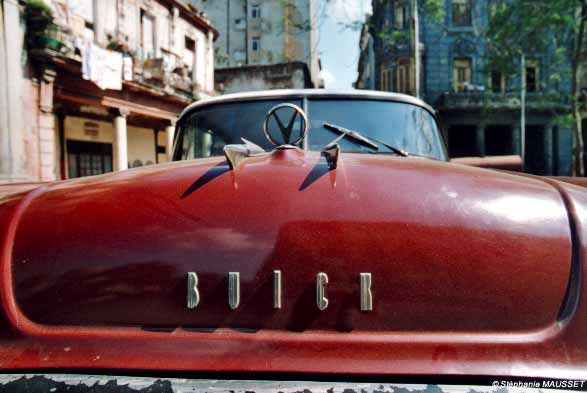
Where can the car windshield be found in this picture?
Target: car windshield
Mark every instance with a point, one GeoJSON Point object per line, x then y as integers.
{"type": "Point", "coordinates": [204, 132]}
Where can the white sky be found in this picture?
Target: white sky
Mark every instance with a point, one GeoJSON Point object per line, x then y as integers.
{"type": "Point", "coordinates": [338, 45]}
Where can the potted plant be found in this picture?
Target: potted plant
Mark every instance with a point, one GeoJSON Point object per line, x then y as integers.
{"type": "Point", "coordinates": [41, 31]}
{"type": "Point", "coordinates": [119, 44]}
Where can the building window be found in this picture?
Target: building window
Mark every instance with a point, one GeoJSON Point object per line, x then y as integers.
{"type": "Point", "coordinates": [240, 24]}
{"type": "Point", "coordinates": [88, 158]}
{"type": "Point", "coordinates": [461, 74]}
{"type": "Point", "coordinates": [497, 82]}
{"type": "Point", "coordinates": [147, 35]}
{"type": "Point", "coordinates": [385, 81]}
{"type": "Point", "coordinates": [401, 15]}
{"type": "Point", "coordinates": [256, 44]}
{"type": "Point", "coordinates": [461, 13]}
{"type": "Point", "coordinates": [189, 53]}
{"type": "Point", "coordinates": [255, 11]}
{"type": "Point", "coordinates": [532, 76]}
{"type": "Point", "coordinates": [404, 80]}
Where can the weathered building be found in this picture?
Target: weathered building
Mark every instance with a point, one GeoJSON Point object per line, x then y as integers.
{"type": "Point", "coordinates": [87, 87]}
{"type": "Point", "coordinates": [366, 78]}
{"type": "Point", "coordinates": [264, 33]}
{"type": "Point", "coordinates": [480, 108]}
{"type": "Point", "coordinates": [293, 75]}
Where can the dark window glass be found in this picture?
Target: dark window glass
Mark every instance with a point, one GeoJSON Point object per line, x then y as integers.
{"type": "Point", "coordinates": [496, 81]}
{"type": "Point", "coordinates": [255, 11]}
{"type": "Point", "coordinates": [461, 13]}
{"type": "Point", "coordinates": [88, 158]}
{"type": "Point", "coordinates": [531, 79]}
{"type": "Point", "coordinates": [205, 133]}
{"type": "Point", "coordinates": [401, 16]}
{"type": "Point", "coordinates": [406, 126]}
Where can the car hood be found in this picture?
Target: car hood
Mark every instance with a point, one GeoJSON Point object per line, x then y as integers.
{"type": "Point", "coordinates": [448, 247]}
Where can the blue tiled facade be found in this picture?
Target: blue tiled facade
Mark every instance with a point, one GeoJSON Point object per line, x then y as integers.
{"type": "Point", "coordinates": [476, 120]}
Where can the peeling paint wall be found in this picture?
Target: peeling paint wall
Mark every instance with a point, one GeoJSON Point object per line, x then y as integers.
{"type": "Point", "coordinates": [255, 78]}
{"type": "Point", "coordinates": [284, 30]}
{"type": "Point", "coordinates": [29, 144]}
{"type": "Point", "coordinates": [171, 30]}
{"type": "Point", "coordinates": [19, 130]}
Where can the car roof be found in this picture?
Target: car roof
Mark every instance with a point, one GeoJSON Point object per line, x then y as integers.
{"type": "Point", "coordinates": [313, 93]}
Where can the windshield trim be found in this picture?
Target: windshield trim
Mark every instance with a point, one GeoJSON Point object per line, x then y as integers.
{"type": "Point", "coordinates": [309, 93]}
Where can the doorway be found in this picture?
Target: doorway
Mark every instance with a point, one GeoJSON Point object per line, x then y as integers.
{"type": "Point", "coordinates": [88, 158]}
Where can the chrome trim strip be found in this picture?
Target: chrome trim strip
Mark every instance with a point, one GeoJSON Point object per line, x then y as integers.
{"type": "Point", "coordinates": [193, 293]}
{"type": "Point", "coordinates": [313, 93]}
{"type": "Point", "coordinates": [366, 295]}
{"type": "Point", "coordinates": [321, 299]}
{"type": "Point", "coordinates": [277, 289]}
{"type": "Point", "coordinates": [234, 290]}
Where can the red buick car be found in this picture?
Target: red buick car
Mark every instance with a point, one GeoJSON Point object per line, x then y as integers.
{"type": "Point", "coordinates": [301, 241]}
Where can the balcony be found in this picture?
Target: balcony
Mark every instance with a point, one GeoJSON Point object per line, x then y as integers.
{"type": "Point", "coordinates": [171, 76]}
{"type": "Point", "coordinates": [479, 100]}
{"type": "Point", "coordinates": [164, 75]}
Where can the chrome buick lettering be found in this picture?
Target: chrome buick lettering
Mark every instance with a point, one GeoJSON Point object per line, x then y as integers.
{"type": "Point", "coordinates": [193, 294]}
{"type": "Point", "coordinates": [321, 299]}
{"type": "Point", "coordinates": [277, 289]}
{"type": "Point", "coordinates": [366, 296]}
{"type": "Point", "coordinates": [234, 290]}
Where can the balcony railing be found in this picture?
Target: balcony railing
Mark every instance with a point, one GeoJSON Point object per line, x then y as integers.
{"type": "Point", "coordinates": [165, 74]}
{"type": "Point", "coordinates": [489, 100]}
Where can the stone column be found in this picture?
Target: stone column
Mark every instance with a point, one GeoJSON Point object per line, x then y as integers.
{"type": "Point", "coordinates": [209, 60]}
{"type": "Point", "coordinates": [481, 140]}
{"type": "Point", "coordinates": [120, 140]}
{"type": "Point", "coordinates": [548, 149]}
{"type": "Point", "coordinates": [170, 132]}
{"type": "Point", "coordinates": [12, 129]}
{"type": "Point", "coordinates": [174, 28]}
{"type": "Point", "coordinates": [47, 135]}
{"type": "Point", "coordinates": [195, 66]}
{"type": "Point", "coordinates": [100, 24]}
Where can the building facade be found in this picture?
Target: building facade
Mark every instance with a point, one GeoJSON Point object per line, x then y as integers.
{"type": "Point", "coordinates": [291, 75]}
{"type": "Point", "coordinates": [480, 108]}
{"type": "Point", "coordinates": [264, 33]}
{"type": "Point", "coordinates": [88, 87]}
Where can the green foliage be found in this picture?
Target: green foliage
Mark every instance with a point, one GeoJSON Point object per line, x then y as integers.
{"type": "Point", "coordinates": [399, 39]}
{"type": "Point", "coordinates": [434, 10]}
{"type": "Point", "coordinates": [41, 31]}
{"type": "Point", "coordinates": [38, 8]}
{"type": "Point", "coordinates": [38, 15]}
{"type": "Point", "coordinates": [431, 10]}
{"type": "Point", "coordinates": [530, 27]}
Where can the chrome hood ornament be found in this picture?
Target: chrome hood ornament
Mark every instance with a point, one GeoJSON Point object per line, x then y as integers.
{"type": "Point", "coordinates": [274, 123]}
{"type": "Point", "coordinates": [236, 153]}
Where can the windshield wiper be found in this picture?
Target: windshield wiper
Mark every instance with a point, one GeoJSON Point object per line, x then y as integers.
{"type": "Point", "coordinates": [362, 139]}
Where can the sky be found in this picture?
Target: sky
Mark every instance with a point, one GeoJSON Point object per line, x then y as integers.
{"type": "Point", "coordinates": [338, 46]}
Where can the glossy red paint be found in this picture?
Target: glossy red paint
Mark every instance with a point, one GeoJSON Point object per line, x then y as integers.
{"type": "Point", "coordinates": [470, 269]}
